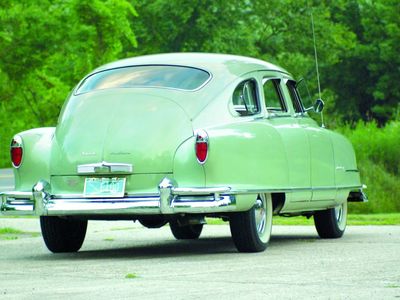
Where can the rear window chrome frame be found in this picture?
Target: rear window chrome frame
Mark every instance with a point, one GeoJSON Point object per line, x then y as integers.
{"type": "Point", "coordinates": [236, 113]}
{"type": "Point", "coordinates": [78, 86]}
{"type": "Point", "coordinates": [271, 111]}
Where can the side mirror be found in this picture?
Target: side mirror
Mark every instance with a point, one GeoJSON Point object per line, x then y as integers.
{"type": "Point", "coordinates": [318, 105]}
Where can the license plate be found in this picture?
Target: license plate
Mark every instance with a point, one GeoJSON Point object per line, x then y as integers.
{"type": "Point", "coordinates": [104, 187]}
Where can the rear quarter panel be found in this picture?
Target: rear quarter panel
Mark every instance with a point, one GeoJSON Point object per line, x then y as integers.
{"type": "Point", "coordinates": [36, 158]}
{"type": "Point", "coordinates": [187, 171]}
{"type": "Point", "coordinates": [346, 171]}
{"type": "Point", "coordinates": [246, 155]}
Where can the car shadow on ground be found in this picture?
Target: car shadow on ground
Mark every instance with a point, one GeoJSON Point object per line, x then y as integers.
{"type": "Point", "coordinates": [175, 248]}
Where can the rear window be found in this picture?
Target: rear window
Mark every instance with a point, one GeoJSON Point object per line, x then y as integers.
{"type": "Point", "coordinates": [176, 77]}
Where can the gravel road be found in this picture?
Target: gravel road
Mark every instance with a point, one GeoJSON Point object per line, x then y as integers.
{"type": "Point", "coordinates": [122, 260]}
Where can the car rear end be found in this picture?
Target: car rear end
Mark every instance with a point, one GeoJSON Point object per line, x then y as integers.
{"type": "Point", "coordinates": [122, 147]}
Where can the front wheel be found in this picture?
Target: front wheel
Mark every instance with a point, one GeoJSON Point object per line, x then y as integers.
{"type": "Point", "coordinates": [251, 230]}
{"type": "Point", "coordinates": [63, 235]}
{"type": "Point", "coordinates": [331, 223]}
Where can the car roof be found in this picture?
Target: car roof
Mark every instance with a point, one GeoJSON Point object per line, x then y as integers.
{"type": "Point", "coordinates": [214, 63]}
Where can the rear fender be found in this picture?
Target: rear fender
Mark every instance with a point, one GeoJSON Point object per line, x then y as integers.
{"type": "Point", "coordinates": [36, 158]}
{"type": "Point", "coordinates": [346, 171]}
{"type": "Point", "coordinates": [246, 156]}
{"type": "Point", "coordinates": [188, 172]}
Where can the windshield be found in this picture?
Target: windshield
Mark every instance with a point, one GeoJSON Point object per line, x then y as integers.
{"type": "Point", "coordinates": [177, 77]}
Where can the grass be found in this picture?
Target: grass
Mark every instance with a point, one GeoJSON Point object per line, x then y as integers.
{"type": "Point", "coordinates": [374, 219]}
{"type": "Point", "coordinates": [131, 276]}
{"type": "Point", "coordinates": [353, 219]}
{"type": "Point", "coordinates": [393, 286]}
{"type": "Point", "coordinates": [8, 233]}
{"type": "Point", "coordinates": [122, 228]}
{"type": "Point", "coordinates": [9, 230]}
{"type": "Point", "coordinates": [18, 217]}
{"type": "Point", "coordinates": [379, 164]}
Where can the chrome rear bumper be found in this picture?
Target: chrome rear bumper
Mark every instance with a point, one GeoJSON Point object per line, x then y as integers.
{"type": "Point", "coordinates": [169, 200]}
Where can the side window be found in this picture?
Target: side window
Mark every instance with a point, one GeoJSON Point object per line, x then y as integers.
{"type": "Point", "coordinates": [245, 98]}
{"type": "Point", "coordinates": [273, 96]}
{"type": "Point", "coordinates": [304, 94]}
{"type": "Point", "coordinates": [294, 96]}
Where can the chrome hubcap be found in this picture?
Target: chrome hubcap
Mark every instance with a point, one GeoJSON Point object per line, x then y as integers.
{"type": "Point", "coordinates": [260, 215]}
{"type": "Point", "coordinates": [341, 215]}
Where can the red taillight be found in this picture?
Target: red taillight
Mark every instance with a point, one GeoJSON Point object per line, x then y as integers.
{"type": "Point", "coordinates": [201, 146]}
{"type": "Point", "coordinates": [16, 151]}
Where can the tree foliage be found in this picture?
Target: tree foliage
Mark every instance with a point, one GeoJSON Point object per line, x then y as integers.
{"type": "Point", "coordinates": [357, 40]}
{"type": "Point", "coordinates": [47, 46]}
{"type": "Point", "coordinates": [364, 80]}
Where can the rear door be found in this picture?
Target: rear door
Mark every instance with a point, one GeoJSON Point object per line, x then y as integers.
{"type": "Point", "coordinates": [321, 149]}
{"type": "Point", "coordinates": [280, 114]}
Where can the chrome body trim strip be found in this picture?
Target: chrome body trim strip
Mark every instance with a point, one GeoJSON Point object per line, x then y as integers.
{"type": "Point", "coordinates": [292, 189]}
{"type": "Point", "coordinates": [353, 170]}
{"type": "Point", "coordinates": [200, 191]}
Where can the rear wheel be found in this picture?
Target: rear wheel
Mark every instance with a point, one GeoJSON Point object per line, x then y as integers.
{"type": "Point", "coordinates": [331, 223]}
{"type": "Point", "coordinates": [63, 235]}
{"type": "Point", "coordinates": [251, 230]}
{"type": "Point", "coordinates": [186, 232]}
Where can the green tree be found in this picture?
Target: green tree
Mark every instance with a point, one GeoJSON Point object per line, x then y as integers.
{"type": "Point", "coordinates": [364, 79]}
{"type": "Point", "coordinates": [46, 48]}
{"type": "Point", "coordinates": [194, 25]}
{"type": "Point", "coordinates": [277, 31]}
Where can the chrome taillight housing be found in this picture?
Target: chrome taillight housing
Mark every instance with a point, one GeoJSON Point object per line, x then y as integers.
{"type": "Point", "coordinates": [202, 146]}
{"type": "Point", "coordinates": [16, 151]}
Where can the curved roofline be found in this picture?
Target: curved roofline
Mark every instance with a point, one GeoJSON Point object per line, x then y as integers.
{"type": "Point", "coordinates": [211, 62]}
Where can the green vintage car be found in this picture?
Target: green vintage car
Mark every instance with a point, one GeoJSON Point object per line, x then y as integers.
{"type": "Point", "coordinates": [175, 138]}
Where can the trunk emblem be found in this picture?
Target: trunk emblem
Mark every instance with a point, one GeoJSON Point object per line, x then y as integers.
{"type": "Point", "coordinates": [88, 153]}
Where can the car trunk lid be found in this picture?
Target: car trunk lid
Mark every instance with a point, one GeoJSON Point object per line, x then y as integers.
{"type": "Point", "coordinates": [119, 127]}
